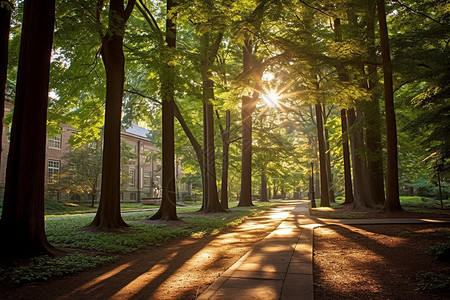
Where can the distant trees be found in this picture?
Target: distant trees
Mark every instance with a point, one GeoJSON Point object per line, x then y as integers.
{"type": "Point", "coordinates": [83, 172]}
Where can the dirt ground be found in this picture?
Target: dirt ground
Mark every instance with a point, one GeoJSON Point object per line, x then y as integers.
{"type": "Point", "coordinates": [380, 262]}
{"type": "Point", "coordinates": [181, 269]}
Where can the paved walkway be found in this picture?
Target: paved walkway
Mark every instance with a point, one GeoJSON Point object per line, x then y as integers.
{"type": "Point", "coordinates": [281, 265]}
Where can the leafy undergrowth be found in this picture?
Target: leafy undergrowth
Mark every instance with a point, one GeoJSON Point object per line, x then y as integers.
{"type": "Point", "coordinates": [55, 207]}
{"type": "Point", "coordinates": [414, 206]}
{"type": "Point", "coordinates": [44, 267]}
{"type": "Point", "coordinates": [434, 281]}
{"type": "Point", "coordinates": [70, 231]}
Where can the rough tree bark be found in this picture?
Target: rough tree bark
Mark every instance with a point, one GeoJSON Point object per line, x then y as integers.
{"type": "Point", "coordinates": [108, 214]}
{"type": "Point", "coordinates": [348, 190]}
{"type": "Point", "coordinates": [360, 188]}
{"type": "Point", "coordinates": [264, 195]}
{"type": "Point", "coordinates": [373, 118]}
{"type": "Point", "coordinates": [392, 202]}
{"type": "Point", "coordinates": [324, 198]}
{"type": "Point", "coordinates": [225, 133]}
{"type": "Point", "coordinates": [328, 156]}
{"type": "Point", "coordinates": [254, 72]}
{"type": "Point", "coordinates": [167, 210]}
{"type": "Point", "coordinates": [211, 197]}
{"type": "Point", "coordinates": [22, 223]}
{"type": "Point", "coordinates": [248, 106]}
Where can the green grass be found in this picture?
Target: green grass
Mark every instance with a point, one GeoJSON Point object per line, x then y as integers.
{"type": "Point", "coordinates": [414, 204]}
{"type": "Point", "coordinates": [419, 204]}
{"type": "Point", "coordinates": [69, 231]}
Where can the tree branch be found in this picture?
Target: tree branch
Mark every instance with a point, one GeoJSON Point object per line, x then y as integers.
{"type": "Point", "coordinates": [128, 10]}
{"type": "Point", "coordinates": [144, 96]}
{"type": "Point", "coordinates": [416, 12]}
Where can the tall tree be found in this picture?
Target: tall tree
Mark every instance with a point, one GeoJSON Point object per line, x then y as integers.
{"type": "Point", "coordinates": [108, 214]}
{"type": "Point", "coordinates": [343, 77]}
{"type": "Point", "coordinates": [392, 202]}
{"type": "Point", "coordinates": [263, 193]}
{"type": "Point", "coordinates": [225, 134]}
{"type": "Point", "coordinates": [373, 117]}
{"type": "Point", "coordinates": [360, 184]}
{"type": "Point", "coordinates": [253, 70]}
{"type": "Point", "coordinates": [324, 196]}
{"type": "Point", "coordinates": [348, 190]}
{"type": "Point", "coordinates": [209, 53]}
{"type": "Point", "coordinates": [328, 156]}
{"type": "Point", "coordinates": [167, 210]}
{"type": "Point", "coordinates": [22, 223]}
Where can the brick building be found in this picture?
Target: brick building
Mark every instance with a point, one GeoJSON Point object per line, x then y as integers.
{"type": "Point", "coordinates": [143, 172]}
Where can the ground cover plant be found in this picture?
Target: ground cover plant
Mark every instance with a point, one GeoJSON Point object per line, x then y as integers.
{"type": "Point", "coordinates": [87, 248]}
{"type": "Point", "coordinates": [414, 206]}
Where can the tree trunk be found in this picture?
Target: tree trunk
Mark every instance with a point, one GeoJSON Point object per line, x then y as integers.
{"type": "Point", "coordinates": [328, 156]}
{"type": "Point", "coordinates": [22, 223]}
{"type": "Point", "coordinates": [108, 214]}
{"type": "Point", "coordinates": [264, 197]}
{"type": "Point", "coordinates": [359, 179]}
{"type": "Point", "coordinates": [225, 160]}
{"type": "Point", "coordinates": [246, 168]}
{"type": "Point", "coordinates": [324, 197]}
{"type": "Point", "coordinates": [392, 202]}
{"type": "Point", "coordinates": [211, 200]}
{"type": "Point", "coordinates": [5, 20]}
{"type": "Point", "coordinates": [205, 159]}
{"type": "Point", "coordinates": [373, 119]}
{"type": "Point", "coordinates": [346, 154]}
{"type": "Point", "coordinates": [343, 77]}
{"type": "Point", "coordinates": [167, 210]}
{"type": "Point", "coordinates": [93, 191]}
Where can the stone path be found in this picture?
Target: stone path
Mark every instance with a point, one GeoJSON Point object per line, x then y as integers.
{"type": "Point", "coordinates": [281, 265]}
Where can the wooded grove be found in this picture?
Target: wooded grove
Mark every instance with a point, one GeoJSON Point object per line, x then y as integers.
{"type": "Point", "coordinates": [245, 95]}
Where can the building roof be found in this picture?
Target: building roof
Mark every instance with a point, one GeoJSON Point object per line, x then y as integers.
{"type": "Point", "coordinates": [139, 132]}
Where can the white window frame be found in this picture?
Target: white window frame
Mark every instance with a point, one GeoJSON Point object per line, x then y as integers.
{"type": "Point", "coordinates": [132, 177]}
{"type": "Point", "coordinates": [53, 168]}
{"type": "Point", "coordinates": [55, 142]}
{"type": "Point", "coordinates": [147, 178]}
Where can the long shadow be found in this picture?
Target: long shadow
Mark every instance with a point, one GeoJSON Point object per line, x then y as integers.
{"type": "Point", "coordinates": [350, 233]}
{"type": "Point", "coordinates": [134, 276]}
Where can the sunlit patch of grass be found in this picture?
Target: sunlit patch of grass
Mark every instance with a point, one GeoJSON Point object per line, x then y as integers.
{"type": "Point", "coordinates": [424, 204]}
{"type": "Point", "coordinates": [323, 209]}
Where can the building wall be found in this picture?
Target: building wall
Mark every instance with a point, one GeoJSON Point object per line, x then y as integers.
{"type": "Point", "coordinates": [147, 172]}
{"type": "Point", "coordinates": [146, 182]}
